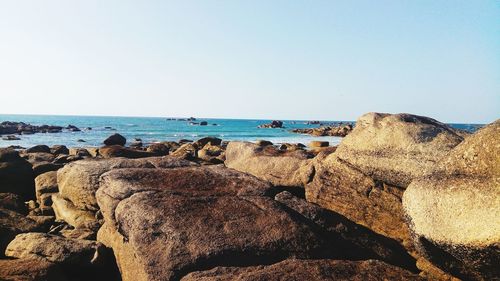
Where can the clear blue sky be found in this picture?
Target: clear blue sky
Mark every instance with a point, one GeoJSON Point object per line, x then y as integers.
{"type": "Point", "coordinates": [329, 60]}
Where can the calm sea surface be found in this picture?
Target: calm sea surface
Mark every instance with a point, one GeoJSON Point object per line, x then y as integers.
{"type": "Point", "coordinates": [160, 129]}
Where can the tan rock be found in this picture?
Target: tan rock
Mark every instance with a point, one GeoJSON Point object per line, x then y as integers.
{"type": "Point", "coordinates": [54, 249]}
{"type": "Point", "coordinates": [293, 269]}
{"type": "Point", "coordinates": [319, 144]}
{"type": "Point", "coordinates": [396, 148]}
{"type": "Point", "coordinates": [454, 211]}
{"type": "Point", "coordinates": [46, 183]}
{"type": "Point", "coordinates": [280, 169]}
{"type": "Point", "coordinates": [79, 181]}
{"type": "Point", "coordinates": [64, 210]}
{"type": "Point", "coordinates": [187, 218]}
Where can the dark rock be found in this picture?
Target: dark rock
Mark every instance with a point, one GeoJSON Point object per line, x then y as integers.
{"type": "Point", "coordinates": [59, 149]}
{"type": "Point", "coordinates": [10, 138]}
{"type": "Point", "coordinates": [115, 139]}
{"type": "Point", "coordinates": [203, 123]}
{"type": "Point", "coordinates": [212, 140]}
{"type": "Point", "coordinates": [13, 202]}
{"type": "Point", "coordinates": [38, 148]}
{"type": "Point", "coordinates": [273, 124]}
{"type": "Point", "coordinates": [43, 167]}
{"type": "Point", "coordinates": [158, 149]}
{"type": "Point", "coordinates": [16, 174]}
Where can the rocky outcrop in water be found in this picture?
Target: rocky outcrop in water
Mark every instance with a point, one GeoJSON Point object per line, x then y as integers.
{"type": "Point", "coordinates": [333, 131]}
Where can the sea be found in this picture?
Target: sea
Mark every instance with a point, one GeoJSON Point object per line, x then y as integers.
{"type": "Point", "coordinates": [158, 129]}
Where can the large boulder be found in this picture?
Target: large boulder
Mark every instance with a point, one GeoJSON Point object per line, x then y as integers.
{"type": "Point", "coordinates": [78, 181]}
{"type": "Point", "coordinates": [320, 270]}
{"type": "Point", "coordinates": [16, 174]}
{"type": "Point", "coordinates": [266, 162]}
{"type": "Point", "coordinates": [350, 240]}
{"type": "Point", "coordinates": [30, 270]}
{"type": "Point", "coordinates": [364, 179]}
{"type": "Point", "coordinates": [165, 223]}
{"type": "Point", "coordinates": [396, 148]}
{"type": "Point", "coordinates": [82, 259]}
{"type": "Point", "coordinates": [454, 212]}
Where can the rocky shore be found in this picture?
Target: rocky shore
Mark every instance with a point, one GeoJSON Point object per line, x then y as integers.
{"type": "Point", "coordinates": [333, 131]}
{"type": "Point", "coordinates": [403, 197]}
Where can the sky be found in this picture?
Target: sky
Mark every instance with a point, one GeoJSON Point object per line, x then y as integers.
{"type": "Point", "coordinates": [307, 60]}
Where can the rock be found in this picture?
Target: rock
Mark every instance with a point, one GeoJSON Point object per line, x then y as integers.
{"type": "Point", "coordinates": [115, 139]}
{"type": "Point", "coordinates": [38, 148]}
{"type": "Point", "coordinates": [84, 259]}
{"type": "Point", "coordinates": [203, 123]}
{"type": "Point", "coordinates": [30, 270]}
{"type": "Point", "coordinates": [365, 177]}
{"type": "Point", "coordinates": [263, 143]}
{"type": "Point", "coordinates": [59, 149]}
{"type": "Point", "coordinates": [454, 211]}
{"type": "Point", "coordinates": [210, 153]}
{"type": "Point", "coordinates": [211, 140]}
{"type": "Point", "coordinates": [348, 239]}
{"type": "Point", "coordinates": [63, 159]}
{"type": "Point", "coordinates": [44, 167]}
{"type": "Point", "coordinates": [16, 174]}
{"type": "Point", "coordinates": [333, 131]}
{"type": "Point", "coordinates": [273, 124]}
{"type": "Point", "coordinates": [120, 151]}
{"type": "Point", "coordinates": [188, 219]}
{"type": "Point", "coordinates": [158, 149]}
{"type": "Point", "coordinates": [65, 210]}
{"type": "Point", "coordinates": [319, 144]}
{"type": "Point", "coordinates": [73, 128]}
{"type": "Point", "coordinates": [396, 148]}
{"type": "Point", "coordinates": [295, 269]}
{"type": "Point", "coordinates": [13, 202]}
{"type": "Point", "coordinates": [45, 186]}
{"type": "Point", "coordinates": [79, 151]}
{"type": "Point", "coordinates": [81, 140]}
{"type": "Point", "coordinates": [79, 181]}
{"type": "Point", "coordinates": [10, 138]}
{"type": "Point", "coordinates": [136, 144]}
{"type": "Point", "coordinates": [55, 249]}
{"type": "Point", "coordinates": [187, 151]}
{"type": "Point", "coordinates": [37, 157]}
{"type": "Point", "coordinates": [279, 169]}
{"type": "Point", "coordinates": [13, 223]}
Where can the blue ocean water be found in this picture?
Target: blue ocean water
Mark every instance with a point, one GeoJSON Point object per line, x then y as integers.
{"type": "Point", "coordinates": [156, 129]}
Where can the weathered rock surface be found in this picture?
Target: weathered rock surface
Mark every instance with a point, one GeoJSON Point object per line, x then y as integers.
{"type": "Point", "coordinates": [365, 177]}
{"type": "Point", "coordinates": [294, 269]}
{"type": "Point", "coordinates": [55, 249]}
{"type": "Point", "coordinates": [38, 148]}
{"type": "Point", "coordinates": [396, 148]}
{"type": "Point", "coordinates": [454, 212]}
{"type": "Point", "coordinates": [353, 241]}
{"type": "Point", "coordinates": [265, 162]}
{"type": "Point", "coordinates": [16, 174]}
{"type": "Point", "coordinates": [30, 270]}
{"type": "Point", "coordinates": [66, 211]}
{"type": "Point", "coordinates": [45, 186]}
{"type": "Point", "coordinates": [165, 223]}
{"type": "Point", "coordinates": [78, 181]}
{"type": "Point", "coordinates": [81, 259]}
